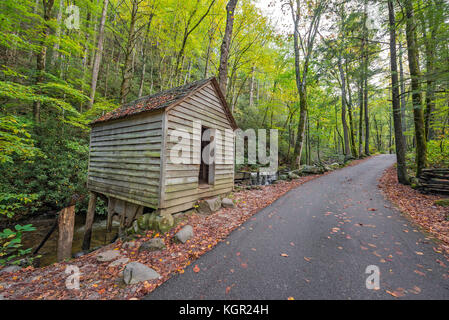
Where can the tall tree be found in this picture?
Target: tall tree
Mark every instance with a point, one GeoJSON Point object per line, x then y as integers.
{"type": "Point", "coordinates": [418, 115]}
{"type": "Point", "coordinates": [304, 49]}
{"type": "Point", "coordinates": [129, 50]}
{"type": "Point", "coordinates": [397, 117]}
{"type": "Point", "coordinates": [98, 54]}
{"type": "Point", "coordinates": [41, 57]}
{"type": "Point", "coordinates": [224, 50]}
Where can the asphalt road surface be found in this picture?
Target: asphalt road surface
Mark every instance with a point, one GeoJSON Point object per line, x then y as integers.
{"type": "Point", "coordinates": [331, 234]}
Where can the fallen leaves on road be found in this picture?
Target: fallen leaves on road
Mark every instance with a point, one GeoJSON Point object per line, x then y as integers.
{"type": "Point", "coordinates": [284, 255]}
{"type": "Point", "coordinates": [419, 207]}
{"type": "Point", "coordinates": [397, 293]}
{"type": "Point", "coordinates": [49, 283]}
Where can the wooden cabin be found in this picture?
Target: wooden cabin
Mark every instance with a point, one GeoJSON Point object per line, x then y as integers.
{"type": "Point", "coordinates": [131, 158]}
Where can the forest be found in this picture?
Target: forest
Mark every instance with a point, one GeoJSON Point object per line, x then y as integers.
{"type": "Point", "coordinates": [339, 79]}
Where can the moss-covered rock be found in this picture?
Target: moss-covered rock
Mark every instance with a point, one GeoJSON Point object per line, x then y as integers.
{"type": "Point", "coordinates": [442, 202]}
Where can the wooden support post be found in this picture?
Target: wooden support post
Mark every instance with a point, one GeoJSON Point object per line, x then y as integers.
{"type": "Point", "coordinates": [89, 220]}
{"type": "Point", "coordinates": [66, 223]}
{"type": "Point", "coordinates": [111, 213]}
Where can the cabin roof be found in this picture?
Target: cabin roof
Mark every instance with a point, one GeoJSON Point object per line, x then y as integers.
{"type": "Point", "coordinates": [164, 99]}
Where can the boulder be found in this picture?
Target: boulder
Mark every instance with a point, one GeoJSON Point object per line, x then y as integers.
{"type": "Point", "coordinates": [119, 262]}
{"type": "Point", "coordinates": [129, 245]}
{"type": "Point", "coordinates": [10, 269]}
{"type": "Point", "coordinates": [227, 203]}
{"type": "Point", "coordinates": [184, 234]}
{"type": "Point", "coordinates": [154, 221]}
{"type": "Point", "coordinates": [283, 177]}
{"type": "Point", "coordinates": [209, 206]}
{"type": "Point", "coordinates": [136, 272]}
{"type": "Point", "coordinates": [312, 170]}
{"type": "Point", "coordinates": [165, 223]}
{"type": "Point", "coordinates": [292, 175]}
{"type": "Point", "coordinates": [335, 165]}
{"type": "Point", "coordinates": [107, 256]}
{"type": "Point", "coordinates": [152, 245]}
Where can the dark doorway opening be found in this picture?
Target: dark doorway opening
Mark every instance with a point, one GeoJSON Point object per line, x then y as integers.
{"type": "Point", "coordinates": [203, 178]}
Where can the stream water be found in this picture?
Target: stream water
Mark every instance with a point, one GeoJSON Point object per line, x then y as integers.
{"type": "Point", "coordinates": [48, 252]}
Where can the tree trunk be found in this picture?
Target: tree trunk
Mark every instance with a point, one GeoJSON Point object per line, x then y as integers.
{"type": "Point", "coordinates": [418, 115]}
{"type": "Point", "coordinates": [130, 46]}
{"type": "Point", "coordinates": [403, 100]}
{"type": "Point", "coordinates": [42, 56]}
{"type": "Point", "coordinates": [397, 117]}
{"type": "Point", "coordinates": [347, 150]}
{"type": "Point", "coordinates": [251, 87]}
{"type": "Point", "coordinates": [66, 223]}
{"type": "Point", "coordinates": [98, 55]}
{"type": "Point", "coordinates": [224, 51]}
{"type": "Point", "coordinates": [361, 108]}
{"type": "Point", "coordinates": [55, 53]}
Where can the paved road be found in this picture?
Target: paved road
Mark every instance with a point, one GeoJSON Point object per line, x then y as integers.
{"type": "Point", "coordinates": [330, 236]}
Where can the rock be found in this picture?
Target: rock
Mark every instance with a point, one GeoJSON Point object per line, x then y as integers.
{"type": "Point", "coordinates": [118, 262]}
{"type": "Point", "coordinates": [80, 254]}
{"type": "Point", "coordinates": [283, 177]}
{"type": "Point", "coordinates": [129, 245]}
{"type": "Point", "coordinates": [107, 256]}
{"type": "Point", "coordinates": [292, 175]}
{"type": "Point", "coordinates": [335, 165]}
{"type": "Point", "coordinates": [227, 203]}
{"type": "Point", "coordinates": [153, 221]}
{"type": "Point", "coordinates": [10, 269]}
{"type": "Point", "coordinates": [184, 234]}
{"type": "Point", "coordinates": [136, 272]}
{"type": "Point", "coordinates": [152, 245]}
{"type": "Point", "coordinates": [312, 170]}
{"type": "Point", "coordinates": [165, 223]}
{"type": "Point", "coordinates": [209, 206]}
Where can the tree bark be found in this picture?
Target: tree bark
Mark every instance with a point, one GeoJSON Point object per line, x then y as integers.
{"type": "Point", "coordinates": [42, 56]}
{"type": "Point", "coordinates": [403, 100]}
{"type": "Point", "coordinates": [66, 223]}
{"type": "Point", "coordinates": [347, 150]}
{"type": "Point", "coordinates": [418, 115]}
{"type": "Point", "coordinates": [224, 50]}
{"type": "Point", "coordinates": [397, 117]}
{"type": "Point", "coordinates": [98, 55]}
{"type": "Point", "coordinates": [129, 49]}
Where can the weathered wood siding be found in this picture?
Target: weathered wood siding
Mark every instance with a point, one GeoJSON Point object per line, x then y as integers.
{"type": "Point", "coordinates": [125, 159]}
{"type": "Point", "coordinates": [180, 188]}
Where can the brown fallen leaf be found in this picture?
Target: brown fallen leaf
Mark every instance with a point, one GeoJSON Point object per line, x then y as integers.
{"type": "Point", "coordinates": [307, 259]}
{"type": "Point", "coordinates": [420, 273]}
{"type": "Point", "coordinates": [397, 293]}
{"type": "Point", "coordinates": [415, 290]}
{"type": "Point", "coordinates": [196, 269]}
{"type": "Point", "coordinates": [284, 255]}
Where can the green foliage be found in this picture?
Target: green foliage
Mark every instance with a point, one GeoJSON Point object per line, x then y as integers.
{"type": "Point", "coordinates": [11, 244]}
{"type": "Point", "coordinates": [15, 139]}
{"type": "Point", "coordinates": [438, 152]}
{"type": "Point", "coordinates": [54, 178]}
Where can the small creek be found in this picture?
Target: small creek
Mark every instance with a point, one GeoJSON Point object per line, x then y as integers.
{"type": "Point", "coordinates": [100, 237]}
